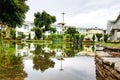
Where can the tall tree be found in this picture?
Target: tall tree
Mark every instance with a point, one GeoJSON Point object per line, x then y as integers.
{"type": "Point", "coordinates": [38, 33]}
{"type": "Point", "coordinates": [44, 20]}
{"type": "Point", "coordinates": [12, 12]}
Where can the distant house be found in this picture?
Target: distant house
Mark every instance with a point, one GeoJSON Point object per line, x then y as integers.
{"type": "Point", "coordinates": [26, 29]}
{"type": "Point", "coordinates": [81, 30]}
{"type": "Point", "coordinates": [60, 29]}
{"type": "Point", "coordinates": [93, 31]}
{"type": "Point", "coordinates": [113, 28]}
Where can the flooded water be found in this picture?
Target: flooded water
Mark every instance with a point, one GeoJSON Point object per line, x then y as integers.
{"type": "Point", "coordinates": [48, 62]}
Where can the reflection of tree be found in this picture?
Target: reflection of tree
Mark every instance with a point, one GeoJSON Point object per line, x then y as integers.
{"type": "Point", "coordinates": [81, 48]}
{"type": "Point", "coordinates": [55, 46]}
{"type": "Point", "coordinates": [41, 59]}
{"type": "Point", "coordinates": [70, 53]}
{"type": "Point", "coordinates": [93, 48]}
{"type": "Point", "coordinates": [42, 63]}
{"type": "Point", "coordinates": [11, 67]}
{"type": "Point", "coordinates": [38, 50]}
{"type": "Point", "coordinates": [73, 49]}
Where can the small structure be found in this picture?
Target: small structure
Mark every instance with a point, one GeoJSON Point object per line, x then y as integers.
{"type": "Point", "coordinates": [113, 28]}
{"type": "Point", "coordinates": [93, 31]}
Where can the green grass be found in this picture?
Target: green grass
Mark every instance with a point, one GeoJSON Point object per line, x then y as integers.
{"type": "Point", "coordinates": [114, 45]}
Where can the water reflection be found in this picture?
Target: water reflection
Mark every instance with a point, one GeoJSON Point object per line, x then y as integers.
{"type": "Point", "coordinates": [49, 62]}
{"type": "Point", "coordinates": [51, 59]}
{"type": "Point", "coordinates": [42, 53]}
{"type": "Point", "coordinates": [66, 50]}
{"type": "Point", "coordinates": [11, 66]}
{"type": "Point", "coordinates": [41, 59]}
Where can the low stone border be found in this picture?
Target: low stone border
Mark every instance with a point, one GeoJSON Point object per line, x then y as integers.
{"type": "Point", "coordinates": [107, 66]}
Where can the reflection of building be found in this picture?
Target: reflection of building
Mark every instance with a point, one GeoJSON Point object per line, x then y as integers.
{"type": "Point", "coordinates": [26, 29]}
{"type": "Point", "coordinates": [88, 50]}
{"type": "Point", "coordinates": [59, 53]}
{"type": "Point", "coordinates": [47, 50]}
{"type": "Point", "coordinates": [25, 50]}
{"type": "Point", "coordinates": [113, 28]}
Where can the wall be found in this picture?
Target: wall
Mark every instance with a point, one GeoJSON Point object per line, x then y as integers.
{"type": "Point", "coordinates": [107, 66]}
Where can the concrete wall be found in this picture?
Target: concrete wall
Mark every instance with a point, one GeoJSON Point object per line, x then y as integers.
{"type": "Point", "coordinates": [107, 66]}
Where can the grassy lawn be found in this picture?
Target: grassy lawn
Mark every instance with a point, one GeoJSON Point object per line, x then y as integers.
{"type": "Point", "coordinates": [114, 45]}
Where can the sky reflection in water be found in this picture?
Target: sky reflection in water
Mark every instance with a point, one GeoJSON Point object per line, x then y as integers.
{"type": "Point", "coordinates": [53, 62]}
{"type": "Point", "coordinates": [77, 68]}
{"type": "Point", "coordinates": [73, 67]}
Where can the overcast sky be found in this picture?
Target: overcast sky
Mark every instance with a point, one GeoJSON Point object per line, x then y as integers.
{"type": "Point", "coordinates": [79, 13]}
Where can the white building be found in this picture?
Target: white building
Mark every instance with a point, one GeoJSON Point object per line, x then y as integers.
{"type": "Point", "coordinates": [26, 51]}
{"type": "Point", "coordinates": [60, 29]}
{"type": "Point", "coordinates": [26, 29]}
{"type": "Point", "coordinates": [81, 30]}
{"type": "Point", "coordinates": [113, 28]}
{"type": "Point", "coordinates": [109, 26]}
{"type": "Point", "coordinates": [93, 31]}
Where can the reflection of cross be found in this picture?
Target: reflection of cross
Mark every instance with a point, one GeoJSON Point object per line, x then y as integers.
{"type": "Point", "coordinates": [61, 69]}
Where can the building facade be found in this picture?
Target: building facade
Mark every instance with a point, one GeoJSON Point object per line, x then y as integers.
{"type": "Point", "coordinates": [81, 30]}
{"type": "Point", "coordinates": [93, 31]}
{"type": "Point", "coordinates": [26, 29]}
{"type": "Point", "coordinates": [113, 29]}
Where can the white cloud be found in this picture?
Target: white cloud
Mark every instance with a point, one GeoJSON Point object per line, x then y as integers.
{"type": "Point", "coordinates": [78, 12]}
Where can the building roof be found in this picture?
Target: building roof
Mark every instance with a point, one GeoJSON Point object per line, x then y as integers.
{"type": "Point", "coordinates": [110, 22]}
{"type": "Point", "coordinates": [94, 28]}
{"type": "Point", "coordinates": [117, 18]}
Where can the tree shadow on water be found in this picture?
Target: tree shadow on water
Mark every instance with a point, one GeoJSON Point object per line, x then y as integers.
{"type": "Point", "coordinates": [42, 60]}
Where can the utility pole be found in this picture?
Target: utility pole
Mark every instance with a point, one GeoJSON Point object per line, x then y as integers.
{"type": "Point", "coordinates": [63, 16]}
{"type": "Point", "coordinates": [63, 22]}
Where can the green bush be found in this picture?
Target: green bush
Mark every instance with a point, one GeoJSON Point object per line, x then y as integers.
{"type": "Point", "coordinates": [106, 37]}
{"type": "Point", "coordinates": [13, 34]}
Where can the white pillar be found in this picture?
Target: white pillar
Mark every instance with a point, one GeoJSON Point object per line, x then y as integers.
{"type": "Point", "coordinates": [115, 35]}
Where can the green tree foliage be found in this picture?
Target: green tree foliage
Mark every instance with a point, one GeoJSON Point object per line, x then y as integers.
{"type": "Point", "coordinates": [38, 33]}
{"type": "Point", "coordinates": [59, 36]}
{"type": "Point", "coordinates": [42, 60]}
{"type": "Point", "coordinates": [93, 37]}
{"type": "Point", "coordinates": [82, 36]}
{"type": "Point", "coordinates": [12, 12]}
{"type": "Point", "coordinates": [106, 36]}
{"type": "Point", "coordinates": [98, 35]}
{"type": "Point", "coordinates": [54, 36]}
{"type": "Point", "coordinates": [53, 29]}
{"type": "Point", "coordinates": [23, 35]}
{"type": "Point", "coordinates": [44, 36]}
{"type": "Point", "coordinates": [29, 36]}
{"type": "Point", "coordinates": [68, 37]}
{"type": "Point", "coordinates": [11, 67]}
{"type": "Point", "coordinates": [72, 31]}
{"type": "Point", "coordinates": [43, 21]}
{"type": "Point", "coordinates": [77, 37]}
{"type": "Point", "coordinates": [3, 34]}
{"type": "Point", "coordinates": [13, 34]}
